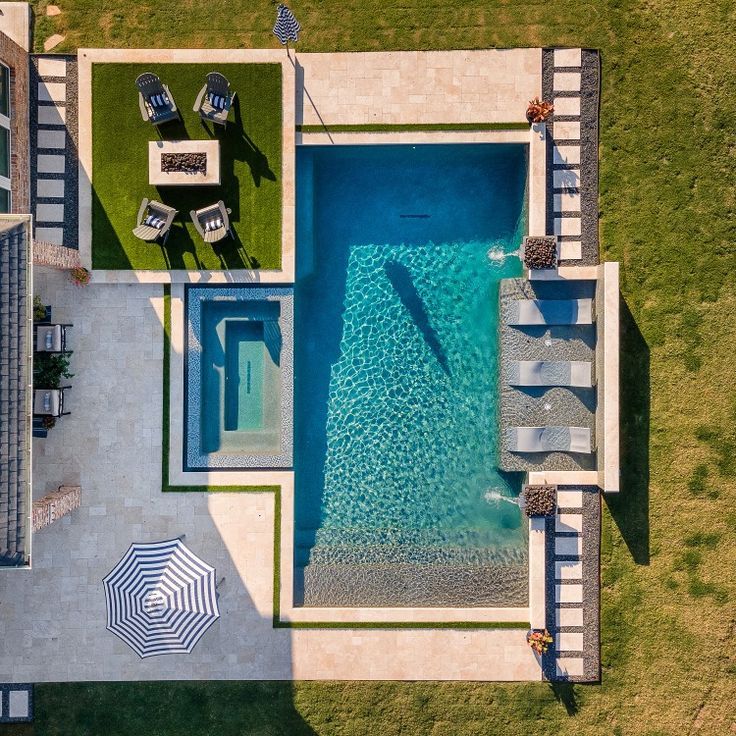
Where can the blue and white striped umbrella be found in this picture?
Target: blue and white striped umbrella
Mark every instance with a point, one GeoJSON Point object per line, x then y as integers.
{"type": "Point", "coordinates": [287, 26]}
{"type": "Point", "coordinates": [161, 598]}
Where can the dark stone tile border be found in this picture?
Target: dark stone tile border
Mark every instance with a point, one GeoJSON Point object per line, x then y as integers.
{"type": "Point", "coordinates": [588, 168]}
{"type": "Point", "coordinates": [5, 690]}
{"type": "Point", "coordinates": [71, 172]}
{"type": "Point", "coordinates": [590, 558]}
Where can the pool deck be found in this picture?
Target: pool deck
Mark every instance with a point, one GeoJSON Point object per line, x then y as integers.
{"type": "Point", "coordinates": [53, 620]}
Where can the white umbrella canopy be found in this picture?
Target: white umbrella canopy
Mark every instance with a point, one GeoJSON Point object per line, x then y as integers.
{"type": "Point", "coordinates": [161, 598]}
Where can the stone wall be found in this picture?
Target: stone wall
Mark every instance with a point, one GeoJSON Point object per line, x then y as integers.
{"type": "Point", "coordinates": [16, 58]}
{"type": "Point", "coordinates": [54, 505]}
{"type": "Point", "coordinates": [55, 256]}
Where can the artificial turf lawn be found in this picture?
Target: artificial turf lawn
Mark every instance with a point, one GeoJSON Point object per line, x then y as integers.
{"type": "Point", "coordinates": [667, 214]}
{"type": "Point", "coordinates": [250, 160]}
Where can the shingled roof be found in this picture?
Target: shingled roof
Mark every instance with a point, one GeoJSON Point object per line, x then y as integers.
{"type": "Point", "coordinates": [15, 427]}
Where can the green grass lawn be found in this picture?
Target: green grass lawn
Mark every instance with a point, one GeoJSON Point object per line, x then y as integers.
{"type": "Point", "coordinates": [667, 213]}
{"type": "Point", "coordinates": [250, 162]}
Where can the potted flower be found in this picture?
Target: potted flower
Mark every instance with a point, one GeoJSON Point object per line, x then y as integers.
{"type": "Point", "coordinates": [539, 110]}
{"type": "Point", "coordinates": [539, 640]}
{"type": "Point", "coordinates": [540, 251]}
{"type": "Point", "coordinates": [539, 500]}
{"type": "Point", "coordinates": [80, 276]}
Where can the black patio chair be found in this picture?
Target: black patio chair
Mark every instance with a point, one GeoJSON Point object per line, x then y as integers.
{"type": "Point", "coordinates": [49, 402]}
{"type": "Point", "coordinates": [51, 338]}
{"type": "Point", "coordinates": [215, 99]}
{"type": "Point", "coordinates": [155, 100]}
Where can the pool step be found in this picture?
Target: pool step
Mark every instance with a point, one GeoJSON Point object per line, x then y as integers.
{"type": "Point", "coordinates": [403, 584]}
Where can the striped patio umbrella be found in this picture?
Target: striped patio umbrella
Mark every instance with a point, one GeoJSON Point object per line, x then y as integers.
{"type": "Point", "coordinates": [161, 598]}
{"type": "Point", "coordinates": [287, 26]}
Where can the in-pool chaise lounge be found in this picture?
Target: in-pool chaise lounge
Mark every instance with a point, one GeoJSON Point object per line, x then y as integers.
{"type": "Point", "coordinates": [574, 373]}
{"type": "Point", "coordinates": [551, 312]}
{"type": "Point", "coordinates": [548, 439]}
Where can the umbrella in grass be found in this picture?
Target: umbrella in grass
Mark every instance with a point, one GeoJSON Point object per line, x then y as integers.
{"type": "Point", "coordinates": [161, 598]}
{"type": "Point", "coordinates": [287, 27]}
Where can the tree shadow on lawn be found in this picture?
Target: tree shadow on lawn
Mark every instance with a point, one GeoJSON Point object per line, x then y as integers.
{"type": "Point", "coordinates": [630, 507]}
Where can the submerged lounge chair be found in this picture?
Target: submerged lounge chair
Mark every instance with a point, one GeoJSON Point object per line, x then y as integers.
{"type": "Point", "coordinates": [547, 439]}
{"type": "Point", "coordinates": [574, 373]}
{"type": "Point", "coordinates": [551, 312]}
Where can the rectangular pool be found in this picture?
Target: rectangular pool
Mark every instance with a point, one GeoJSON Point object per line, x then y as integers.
{"type": "Point", "coordinates": [398, 497]}
{"type": "Point", "coordinates": [239, 378]}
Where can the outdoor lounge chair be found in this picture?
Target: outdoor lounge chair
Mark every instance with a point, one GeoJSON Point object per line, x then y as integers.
{"type": "Point", "coordinates": [155, 100]}
{"type": "Point", "coordinates": [49, 402]}
{"type": "Point", "coordinates": [215, 99]}
{"type": "Point", "coordinates": [154, 221]}
{"type": "Point", "coordinates": [51, 338]}
{"type": "Point", "coordinates": [547, 439]}
{"type": "Point", "coordinates": [213, 222]}
{"type": "Point", "coordinates": [529, 312]}
{"type": "Point", "coordinates": [574, 373]}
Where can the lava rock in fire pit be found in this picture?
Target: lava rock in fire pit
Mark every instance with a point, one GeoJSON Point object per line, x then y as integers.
{"type": "Point", "coordinates": [540, 252]}
{"type": "Point", "coordinates": [184, 163]}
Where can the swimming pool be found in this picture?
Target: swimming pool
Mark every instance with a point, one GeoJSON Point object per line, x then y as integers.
{"type": "Point", "coordinates": [398, 499]}
{"type": "Point", "coordinates": [239, 377]}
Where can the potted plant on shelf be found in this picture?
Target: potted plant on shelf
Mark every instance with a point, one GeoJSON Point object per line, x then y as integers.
{"type": "Point", "coordinates": [540, 251]}
{"type": "Point", "coordinates": [539, 500]}
{"type": "Point", "coordinates": [41, 312]}
{"type": "Point", "coordinates": [539, 110]}
{"type": "Point", "coordinates": [539, 640]}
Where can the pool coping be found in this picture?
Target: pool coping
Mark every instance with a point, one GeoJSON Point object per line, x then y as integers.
{"type": "Point", "coordinates": [86, 58]}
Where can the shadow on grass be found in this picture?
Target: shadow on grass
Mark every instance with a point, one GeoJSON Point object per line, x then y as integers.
{"type": "Point", "coordinates": [565, 694]}
{"type": "Point", "coordinates": [630, 507]}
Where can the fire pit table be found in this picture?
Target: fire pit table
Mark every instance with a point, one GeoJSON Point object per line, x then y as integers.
{"type": "Point", "coordinates": [182, 163]}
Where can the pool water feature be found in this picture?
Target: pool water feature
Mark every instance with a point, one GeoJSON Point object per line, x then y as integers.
{"type": "Point", "coordinates": [398, 499]}
{"type": "Point", "coordinates": [239, 378]}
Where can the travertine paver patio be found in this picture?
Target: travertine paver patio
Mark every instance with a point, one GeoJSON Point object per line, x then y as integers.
{"type": "Point", "coordinates": [53, 616]}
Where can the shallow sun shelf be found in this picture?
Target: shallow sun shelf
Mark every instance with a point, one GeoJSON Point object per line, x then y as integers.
{"type": "Point", "coordinates": [548, 439]}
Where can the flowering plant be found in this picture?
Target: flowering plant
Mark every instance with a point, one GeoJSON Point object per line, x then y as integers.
{"type": "Point", "coordinates": [539, 640]}
{"type": "Point", "coordinates": [80, 276]}
{"type": "Point", "coordinates": [538, 110]}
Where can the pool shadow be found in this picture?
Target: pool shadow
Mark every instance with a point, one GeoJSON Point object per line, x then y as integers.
{"type": "Point", "coordinates": [630, 507]}
{"type": "Point", "coordinates": [403, 283]}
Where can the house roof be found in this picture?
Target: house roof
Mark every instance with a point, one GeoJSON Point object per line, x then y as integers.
{"type": "Point", "coordinates": [15, 429]}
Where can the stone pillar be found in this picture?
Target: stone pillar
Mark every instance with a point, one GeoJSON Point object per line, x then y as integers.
{"type": "Point", "coordinates": [55, 256]}
{"type": "Point", "coordinates": [54, 505]}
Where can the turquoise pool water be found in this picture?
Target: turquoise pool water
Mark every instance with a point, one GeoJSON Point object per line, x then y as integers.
{"type": "Point", "coordinates": [398, 497]}
{"type": "Point", "coordinates": [240, 394]}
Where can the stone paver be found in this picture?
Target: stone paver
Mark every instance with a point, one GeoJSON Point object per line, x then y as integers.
{"type": "Point", "coordinates": [568, 641]}
{"type": "Point", "coordinates": [569, 523]}
{"type": "Point", "coordinates": [492, 85]}
{"type": "Point", "coordinates": [53, 41]}
{"type": "Point", "coordinates": [567, 202]}
{"type": "Point", "coordinates": [567, 499]}
{"type": "Point", "coordinates": [567, 226]}
{"type": "Point", "coordinates": [565, 178]}
{"type": "Point", "coordinates": [51, 115]}
{"type": "Point", "coordinates": [49, 212]}
{"type": "Point", "coordinates": [568, 570]}
{"type": "Point", "coordinates": [571, 250]}
{"type": "Point", "coordinates": [53, 235]}
{"type": "Point", "coordinates": [567, 105]}
{"type": "Point", "coordinates": [568, 546]}
{"type": "Point", "coordinates": [52, 67]}
{"type": "Point", "coordinates": [18, 704]}
{"type": "Point", "coordinates": [567, 130]}
{"type": "Point", "coordinates": [50, 188]}
{"type": "Point", "coordinates": [51, 138]}
{"type": "Point", "coordinates": [568, 57]}
{"type": "Point", "coordinates": [566, 82]}
{"type": "Point", "coordinates": [570, 667]}
{"type": "Point", "coordinates": [51, 91]}
{"type": "Point", "coordinates": [51, 164]}
{"type": "Point", "coordinates": [566, 154]}
{"type": "Point", "coordinates": [569, 593]}
{"type": "Point", "coordinates": [569, 617]}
